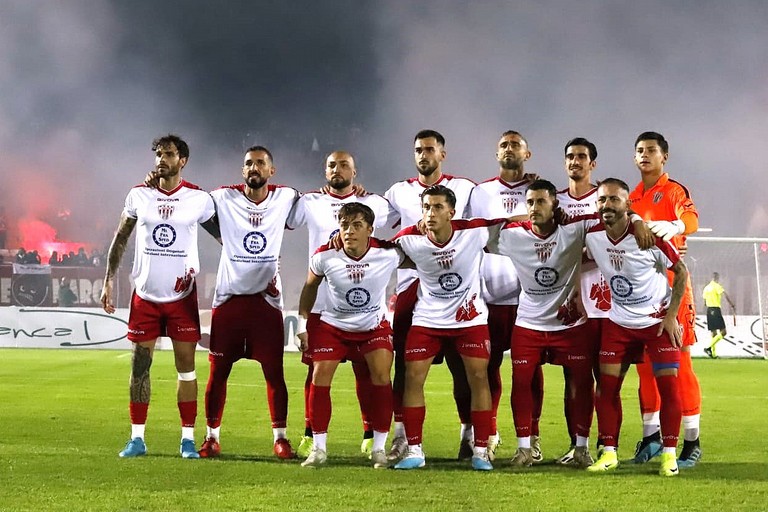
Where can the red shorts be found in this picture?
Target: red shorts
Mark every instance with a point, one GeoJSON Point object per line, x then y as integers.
{"type": "Point", "coordinates": [501, 321]}
{"type": "Point", "coordinates": [426, 342]}
{"type": "Point", "coordinates": [403, 314]}
{"type": "Point", "coordinates": [246, 326]}
{"type": "Point", "coordinates": [328, 343]}
{"type": "Point", "coordinates": [312, 323]}
{"type": "Point", "coordinates": [179, 320]}
{"type": "Point", "coordinates": [569, 347]}
{"type": "Point", "coordinates": [621, 345]}
{"type": "Point", "coordinates": [594, 333]}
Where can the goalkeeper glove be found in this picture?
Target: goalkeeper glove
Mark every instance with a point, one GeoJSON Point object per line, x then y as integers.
{"type": "Point", "coordinates": [665, 229]}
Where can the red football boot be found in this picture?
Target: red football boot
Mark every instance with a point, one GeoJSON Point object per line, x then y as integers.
{"type": "Point", "coordinates": [283, 449]}
{"type": "Point", "coordinates": [210, 448]}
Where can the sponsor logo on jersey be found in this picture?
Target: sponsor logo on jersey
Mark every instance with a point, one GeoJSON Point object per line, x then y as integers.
{"type": "Point", "coordinates": [519, 361]}
{"type": "Point", "coordinates": [657, 197]}
{"type": "Point", "coordinates": [601, 294]}
{"type": "Point", "coordinates": [621, 287]}
{"type": "Point", "coordinates": [450, 281]}
{"type": "Point", "coordinates": [356, 271]}
{"type": "Point", "coordinates": [544, 250]}
{"type": "Point", "coordinates": [358, 297]}
{"type": "Point", "coordinates": [667, 349]}
{"type": "Point", "coordinates": [607, 353]}
{"type": "Point", "coordinates": [416, 351]}
{"type": "Point", "coordinates": [164, 235]}
{"type": "Point", "coordinates": [572, 357]}
{"type": "Point", "coordinates": [165, 211]}
{"type": "Point", "coordinates": [467, 311]}
{"type": "Point", "coordinates": [255, 218]}
{"type": "Point", "coordinates": [184, 282]}
{"type": "Point", "coordinates": [509, 203]}
{"type": "Point", "coordinates": [254, 242]}
{"type": "Point", "coordinates": [616, 257]}
{"type": "Point", "coordinates": [323, 349]}
{"type": "Point", "coordinates": [546, 276]}
{"type": "Point", "coordinates": [444, 258]}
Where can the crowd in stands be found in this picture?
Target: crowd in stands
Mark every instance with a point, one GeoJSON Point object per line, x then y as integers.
{"type": "Point", "coordinates": [71, 259]}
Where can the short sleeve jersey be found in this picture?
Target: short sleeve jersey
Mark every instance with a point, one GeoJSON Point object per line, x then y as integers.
{"type": "Point", "coordinates": [319, 212]}
{"type": "Point", "coordinates": [251, 235]}
{"type": "Point", "coordinates": [496, 198]}
{"type": "Point", "coordinates": [665, 200]}
{"type": "Point", "coordinates": [712, 294]}
{"type": "Point", "coordinates": [356, 299]}
{"type": "Point", "coordinates": [548, 268]}
{"type": "Point", "coordinates": [405, 198]}
{"type": "Point", "coordinates": [166, 260]}
{"type": "Point", "coordinates": [640, 291]}
{"type": "Point", "coordinates": [595, 293]}
{"type": "Point", "coordinates": [449, 293]}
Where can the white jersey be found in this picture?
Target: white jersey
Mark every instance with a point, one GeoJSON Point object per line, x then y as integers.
{"type": "Point", "coordinates": [449, 294]}
{"type": "Point", "coordinates": [166, 260]}
{"type": "Point", "coordinates": [494, 199]}
{"type": "Point", "coordinates": [548, 268]}
{"type": "Point", "coordinates": [595, 293]}
{"type": "Point", "coordinates": [319, 212]}
{"type": "Point", "coordinates": [639, 286]}
{"type": "Point", "coordinates": [405, 198]}
{"type": "Point", "coordinates": [357, 287]}
{"type": "Point", "coordinates": [251, 235]}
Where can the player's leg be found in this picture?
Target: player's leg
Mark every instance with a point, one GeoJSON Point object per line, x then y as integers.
{"type": "Point", "coordinates": [379, 362]}
{"type": "Point", "coordinates": [501, 320]}
{"type": "Point", "coordinates": [307, 443]}
{"type": "Point", "coordinates": [320, 409]}
{"type": "Point", "coordinates": [363, 389]}
{"type": "Point", "coordinates": [650, 404]}
{"type": "Point", "coordinates": [526, 356]}
{"type": "Point", "coordinates": [474, 346]}
{"type": "Point", "coordinates": [462, 397]}
{"type": "Point", "coordinates": [401, 324]}
{"type": "Point", "coordinates": [690, 397]}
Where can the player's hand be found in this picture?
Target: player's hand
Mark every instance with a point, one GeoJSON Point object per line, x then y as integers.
{"type": "Point", "coordinates": [683, 250]}
{"type": "Point", "coordinates": [359, 190]}
{"type": "Point", "coordinates": [421, 227]}
{"type": "Point", "coordinates": [106, 297]}
{"type": "Point", "coordinates": [674, 330]}
{"type": "Point", "coordinates": [302, 341]}
{"type": "Point", "coordinates": [336, 242]}
{"type": "Point", "coordinates": [152, 179]}
{"type": "Point", "coordinates": [665, 229]}
{"type": "Point", "coordinates": [560, 216]}
{"type": "Point", "coordinates": [643, 235]}
{"type": "Point", "coordinates": [530, 177]}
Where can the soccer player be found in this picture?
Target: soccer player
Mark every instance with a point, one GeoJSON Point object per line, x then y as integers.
{"type": "Point", "coordinates": [319, 211]}
{"type": "Point", "coordinates": [247, 320]}
{"type": "Point", "coordinates": [499, 197]}
{"type": "Point", "coordinates": [449, 314]}
{"type": "Point", "coordinates": [352, 324]}
{"type": "Point", "coordinates": [405, 197]}
{"type": "Point", "coordinates": [671, 214]}
{"type": "Point", "coordinates": [580, 199]}
{"type": "Point", "coordinates": [549, 327]}
{"type": "Point", "coordinates": [642, 318]}
{"type": "Point", "coordinates": [164, 301]}
{"type": "Point", "coordinates": [713, 298]}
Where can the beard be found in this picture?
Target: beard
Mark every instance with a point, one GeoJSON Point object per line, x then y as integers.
{"type": "Point", "coordinates": [255, 182]}
{"type": "Point", "coordinates": [428, 170]}
{"type": "Point", "coordinates": [339, 183]}
{"type": "Point", "coordinates": [511, 164]}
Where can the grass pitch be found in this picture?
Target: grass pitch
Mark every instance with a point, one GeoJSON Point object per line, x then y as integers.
{"type": "Point", "coordinates": [65, 416]}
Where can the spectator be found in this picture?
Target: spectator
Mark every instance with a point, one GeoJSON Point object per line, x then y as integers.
{"type": "Point", "coordinates": [67, 297]}
{"type": "Point", "coordinates": [3, 227]}
{"type": "Point", "coordinates": [54, 259]}
{"type": "Point", "coordinates": [21, 255]}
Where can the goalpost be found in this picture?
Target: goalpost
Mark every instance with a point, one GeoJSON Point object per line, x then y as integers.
{"type": "Point", "coordinates": [743, 267]}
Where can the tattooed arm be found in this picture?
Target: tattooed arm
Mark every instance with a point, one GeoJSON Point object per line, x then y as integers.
{"type": "Point", "coordinates": [116, 250]}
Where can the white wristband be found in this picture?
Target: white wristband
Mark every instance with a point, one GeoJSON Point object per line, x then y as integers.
{"type": "Point", "coordinates": [635, 218]}
{"type": "Point", "coordinates": [302, 328]}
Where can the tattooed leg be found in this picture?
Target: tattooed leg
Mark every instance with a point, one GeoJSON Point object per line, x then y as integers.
{"type": "Point", "coordinates": [139, 383]}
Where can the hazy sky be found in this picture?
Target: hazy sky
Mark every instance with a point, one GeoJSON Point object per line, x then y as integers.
{"type": "Point", "coordinates": [86, 85]}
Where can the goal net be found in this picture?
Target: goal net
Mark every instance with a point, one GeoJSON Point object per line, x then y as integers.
{"type": "Point", "coordinates": [743, 267]}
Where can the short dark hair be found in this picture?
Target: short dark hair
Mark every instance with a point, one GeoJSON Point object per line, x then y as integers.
{"type": "Point", "coordinates": [581, 141]}
{"type": "Point", "coordinates": [543, 185]}
{"type": "Point", "coordinates": [425, 134]}
{"type": "Point", "coordinates": [177, 141]}
{"type": "Point", "coordinates": [659, 138]}
{"type": "Point", "coordinates": [513, 132]}
{"type": "Point", "coordinates": [615, 181]}
{"type": "Point", "coordinates": [261, 148]}
{"type": "Point", "coordinates": [350, 210]}
{"type": "Point", "coordinates": [441, 190]}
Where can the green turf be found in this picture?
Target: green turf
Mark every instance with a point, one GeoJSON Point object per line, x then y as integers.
{"type": "Point", "coordinates": [64, 418]}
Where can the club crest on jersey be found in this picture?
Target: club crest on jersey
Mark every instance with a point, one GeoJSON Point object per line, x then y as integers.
{"type": "Point", "coordinates": [255, 218]}
{"type": "Point", "coordinates": [617, 261]}
{"type": "Point", "coordinates": [356, 273]}
{"type": "Point", "coordinates": [544, 250]}
{"type": "Point", "coordinates": [657, 197]}
{"type": "Point", "coordinates": [444, 258]}
{"type": "Point", "coordinates": [254, 242]}
{"type": "Point", "coordinates": [621, 287]}
{"type": "Point", "coordinates": [165, 211]}
{"type": "Point", "coordinates": [358, 297]}
{"type": "Point", "coordinates": [509, 203]}
{"type": "Point", "coordinates": [164, 235]}
{"type": "Point", "coordinates": [450, 281]}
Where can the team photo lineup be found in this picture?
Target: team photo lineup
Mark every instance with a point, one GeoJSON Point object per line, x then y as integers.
{"type": "Point", "coordinates": [567, 271]}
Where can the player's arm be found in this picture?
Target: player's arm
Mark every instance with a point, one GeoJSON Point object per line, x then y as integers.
{"type": "Point", "coordinates": [644, 235]}
{"type": "Point", "coordinates": [730, 302]}
{"type": "Point", "coordinates": [306, 303]}
{"type": "Point", "coordinates": [212, 227]}
{"type": "Point", "coordinates": [669, 323]}
{"type": "Point", "coordinates": [687, 223]}
{"type": "Point", "coordinates": [115, 254]}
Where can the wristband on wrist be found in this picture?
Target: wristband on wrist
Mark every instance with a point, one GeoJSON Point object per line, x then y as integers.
{"type": "Point", "coordinates": [302, 328]}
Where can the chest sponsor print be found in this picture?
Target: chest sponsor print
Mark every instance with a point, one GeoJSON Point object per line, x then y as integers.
{"type": "Point", "coordinates": [164, 235]}
{"type": "Point", "coordinates": [358, 297]}
{"type": "Point", "coordinates": [254, 242]}
{"type": "Point", "coordinates": [621, 287]}
{"type": "Point", "coordinates": [546, 276]}
{"type": "Point", "coordinates": [450, 281]}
